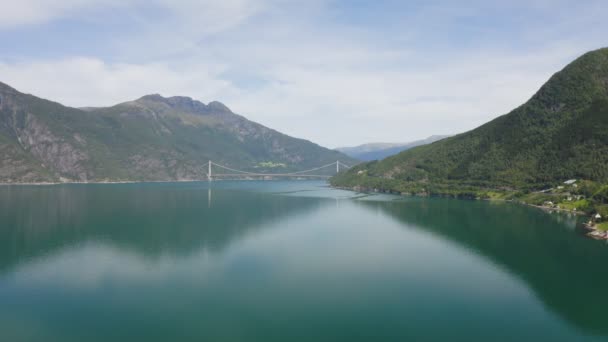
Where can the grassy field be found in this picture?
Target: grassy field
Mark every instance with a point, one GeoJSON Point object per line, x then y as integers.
{"type": "Point", "coordinates": [602, 226]}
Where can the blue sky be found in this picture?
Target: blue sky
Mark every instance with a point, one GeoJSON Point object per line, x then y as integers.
{"type": "Point", "coordinates": [335, 72]}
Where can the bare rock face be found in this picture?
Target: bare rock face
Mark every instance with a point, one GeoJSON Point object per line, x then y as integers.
{"type": "Point", "coordinates": [15, 166]}
{"type": "Point", "coordinates": [165, 167]}
{"type": "Point", "coordinates": [61, 156]}
{"type": "Point", "coordinates": [35, 147]}
{"type": "Point", "coordinates": [149, 166]}
{"type": "Point", "coordinates": [62, 153]}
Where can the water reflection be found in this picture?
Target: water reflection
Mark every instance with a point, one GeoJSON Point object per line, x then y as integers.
{"type": "Point", "coordinates": [184, 261]}
{"type": "Point", "coordinates": [147, 220]}
{"type": "Point", "coordinates": [566, 270]}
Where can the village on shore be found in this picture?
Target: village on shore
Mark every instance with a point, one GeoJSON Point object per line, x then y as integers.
{"type": "Point", "coordinates": [568, 198]}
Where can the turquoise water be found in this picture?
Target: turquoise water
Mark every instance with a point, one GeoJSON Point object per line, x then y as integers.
{"type": "Point", "coordinates": [290, 261]}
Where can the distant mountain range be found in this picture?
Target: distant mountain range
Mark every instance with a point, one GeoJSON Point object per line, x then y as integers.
{"type": "Point", "coordinates": [559, 134]}
{"type": "Point", "coordinates": [375, 151]}
{"type": "Point", "coordinates": [150, 139]}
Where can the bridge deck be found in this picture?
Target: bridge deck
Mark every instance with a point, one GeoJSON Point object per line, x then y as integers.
{"type": "Point", "coordinates": [296, 174]}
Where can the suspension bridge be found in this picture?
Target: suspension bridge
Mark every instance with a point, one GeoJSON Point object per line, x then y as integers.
{"type": "Point", "coordinates": [228, 172]}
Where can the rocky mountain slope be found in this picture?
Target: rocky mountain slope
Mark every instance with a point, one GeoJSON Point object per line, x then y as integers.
{"type": "Point", "coordinates": [152, 138]}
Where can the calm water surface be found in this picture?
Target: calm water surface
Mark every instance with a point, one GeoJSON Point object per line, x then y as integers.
{"type": "Point", "coordinates": [290, 261]}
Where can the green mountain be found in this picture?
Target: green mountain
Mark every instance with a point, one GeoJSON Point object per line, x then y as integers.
{"type": "Point", "coordinates": [559, 134]}
{"type": "Point", "coordinates": [152, 138]}
{"type": "Point", "coordinates": [375, 151]}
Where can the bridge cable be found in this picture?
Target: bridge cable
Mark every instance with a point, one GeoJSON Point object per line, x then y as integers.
{"type": "Point", "coordinates": [270, 174]}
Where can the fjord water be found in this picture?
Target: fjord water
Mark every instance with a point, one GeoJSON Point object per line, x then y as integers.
{"type": "Point", "coordinates": [285, 261]}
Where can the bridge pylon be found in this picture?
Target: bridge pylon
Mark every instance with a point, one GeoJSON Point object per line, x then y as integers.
{"type": "Point", "coordinates": [209, 172]}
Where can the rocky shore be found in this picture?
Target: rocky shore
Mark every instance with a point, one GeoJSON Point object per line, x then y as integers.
{"type": "Point", "coordinates": [594, 232]}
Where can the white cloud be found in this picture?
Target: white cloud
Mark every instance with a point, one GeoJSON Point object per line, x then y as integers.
{"type": "Point", "coordinates": [91, 82]}
{"type": "Point", "coordinates": [210, 16]}
{"type": "Point", "coordinates": [296, 68]}
{"type": "Point", "coordinates": [202, 15]}
{"type": "Point", "coordinates": [27, 12]}
{"type": "Point", "coordinates": [331, 107]}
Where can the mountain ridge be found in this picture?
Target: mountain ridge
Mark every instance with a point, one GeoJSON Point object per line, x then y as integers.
{"type": "Point", "coordinates": [153, 138]}
{"type": "Point", "coordinates": [381, 150]}
{"type": "Point", "coordinates": [561, 132]}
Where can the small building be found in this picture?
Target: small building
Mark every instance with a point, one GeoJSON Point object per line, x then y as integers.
{"type": "Point", "coordinates": [570, 181]}
{"type": "Point", "coordinates": [597, 217]}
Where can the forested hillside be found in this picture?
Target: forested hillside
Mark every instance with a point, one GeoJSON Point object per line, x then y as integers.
{"type": "Point", "coordinates": [559, 134]}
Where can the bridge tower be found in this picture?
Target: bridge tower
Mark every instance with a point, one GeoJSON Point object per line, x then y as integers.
{"type": "Point", "coordinates": [209, 172]}
{"type": "Point", "coordinates": [337, 166]}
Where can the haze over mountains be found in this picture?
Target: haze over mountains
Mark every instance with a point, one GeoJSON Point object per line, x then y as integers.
{"type": "Point", "coordinates": [374, 151]}
{"type": "Point", "coordinates": [150, 139]}
{"type": "Point", "coordinates": [560, 133]}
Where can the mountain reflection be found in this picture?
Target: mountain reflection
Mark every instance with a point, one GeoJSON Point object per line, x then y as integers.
{"type": "Point", "coordinates": [565, 270]}
{"type": "Point", "coordinates": [148, 220]}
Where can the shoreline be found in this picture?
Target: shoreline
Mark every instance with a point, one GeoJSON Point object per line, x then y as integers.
{"type": "Point", "coordinates": [147, 181]}
{"type": "Point", "coordinates": [592, 230]}
{"type": "Point", "coordinates": [97, 182]}
{"type": "Point", "coordinates": [441, 195]}
{"type": "Point", "coordinates": [595, 233]}
{"type": "Point", "coordinates": [575, 212]}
